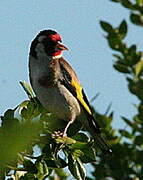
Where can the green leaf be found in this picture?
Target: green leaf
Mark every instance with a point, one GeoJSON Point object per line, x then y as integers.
{"type": "Point", "coordinates": [47, 150]}
{"type": "Point", "coordinates": [81, 168]}
{"type": "Point", "coordinates": [136, 19]}
{"type": "Point", "coordinates": [138, 140]}
{"type": "Point", "coordinates": [8, 120]}
{"type": "Point", "coordinates": [16, 139]}
{"type": "Point", "coordinates": [23, 104]}
{"type": "Point", "coordinates": [65, 140]}
{"type": "Point", "coordinates": [74, 167]}
{"type": "Point", "coordinates": [79, 145]}
{"type": "Point", "coordinates": [132, 49]}
{"type": "Point", "coordinates": [81, 137]}
{"type": "Point", "coordinates": [62, 174]}
{"type": "Point", "coordinates": [55, 163]}
{"type": "Point", "coordinates": [139, 3]}
{"type": "Point", "coordinates": [127, 4]}
{"type": "Point", "coordinates": [127, 121]}
{"type": "Point", "coordinates": [51, 163]}
{"type": "Point", "coordinates": [123, 29]}
{"type": "Point", "coordinates": [43, 170]}
{"type": "Point", "coordinates": [31, 110]}
{"type": "Point", "coordinates": [77, 153]}
{"type": "Point", "coordinates": [139, 68]}
{"type": "Point", "coordinates": [141, 172]}
{"type": "Point", "coordinates": [125, 133]}
{"type": "Point", "coordinates": [134, 56]}
{"type": "Point", "coordinates": [88, 154]}
{"type": "Point", "coordinates": [140, 109]}
{"type": "Point", "coordinates": [135, 87]}
{"type": "Point", "coordinates": [74, 128]}
{"type": "Point", "coordinates": [9, 113]}
{"type": "Point", "coordinates": [121, 68]}
{"type": "Point", "coordinates": [119, 57]}
{"type": "Point", "coordinates": [27, 88]}
{"type": "Point", "coordinates": [131, 124]}
{"type": "Point", "coordinates": [30, 166]}
{"type": "Point", "coordinates": [28, 176]}
{"type": "Point", "coordinates": [114, 41]}
{"type": "Point", "coordinates": [106, 27]}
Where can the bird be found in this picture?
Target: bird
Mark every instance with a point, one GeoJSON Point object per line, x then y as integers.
{"type": "Point", "coordinates": [57, 86]}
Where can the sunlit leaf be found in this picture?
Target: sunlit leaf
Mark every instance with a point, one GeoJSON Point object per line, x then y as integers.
{"type": "Point", "coordinates": [42, 169]}
{"type": "Point", "coordinates": [139, 68]}
{"type": "Point", "coordinates": [65, 140]}
{"type": "Point", "coordinates": [27, 88]}
{"type": "Point", "coordinates": [139, 3]}
{"type": "Point", "coordinates": [16, 139]}
{"type": "Point", "coordinates": [74, 167]}
{"type": "Point", "coordinates": [81, 168]}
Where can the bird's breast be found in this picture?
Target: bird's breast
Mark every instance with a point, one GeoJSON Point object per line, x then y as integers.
{"type": "Point", "coordinates": [52, 95]}
{"type": "Point", "coordinates": [58, 100]}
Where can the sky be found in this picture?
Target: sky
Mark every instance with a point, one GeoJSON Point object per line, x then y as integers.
{"type": "Point", "coordinates": [78, 23]}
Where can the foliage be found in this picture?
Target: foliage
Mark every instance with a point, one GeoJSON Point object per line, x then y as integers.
{"type": "Point", "coordinates": [136, 10]}
{"type": "Point", "coordinates": [31, 144]}
{"type": "Point", "coordinates": [29, 125]}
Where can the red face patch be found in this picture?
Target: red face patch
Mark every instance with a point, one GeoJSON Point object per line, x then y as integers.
{"type": "Point", "coordinates": [55, 37]}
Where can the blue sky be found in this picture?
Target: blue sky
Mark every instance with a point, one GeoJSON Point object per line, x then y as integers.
{"type": "Point", "coordinates": [78, 23]}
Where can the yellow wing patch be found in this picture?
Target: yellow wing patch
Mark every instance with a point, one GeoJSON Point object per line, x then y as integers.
{"type": "Point", "coordinates": [78, 89]}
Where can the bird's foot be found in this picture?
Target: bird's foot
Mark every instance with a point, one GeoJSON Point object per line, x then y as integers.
{"type": "Point", "coordinates": [58, 134]}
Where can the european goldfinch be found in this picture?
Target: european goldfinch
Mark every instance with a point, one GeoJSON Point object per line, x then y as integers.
{"type": "Point", "coordinates": [56, 85]}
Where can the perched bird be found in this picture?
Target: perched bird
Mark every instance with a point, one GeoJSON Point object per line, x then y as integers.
{"type": "Point", "coordinates": [56, 85]}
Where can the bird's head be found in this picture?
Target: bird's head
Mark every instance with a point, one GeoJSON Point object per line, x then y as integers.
{"type": "Point", "coordinates": [49, 43]}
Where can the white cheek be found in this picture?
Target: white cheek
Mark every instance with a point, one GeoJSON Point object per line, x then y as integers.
{"type": "Point", "coordinates": [58, 56]}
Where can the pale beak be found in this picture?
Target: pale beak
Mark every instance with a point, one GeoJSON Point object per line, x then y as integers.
{"type": "Point", "coordinates": [61, 47]}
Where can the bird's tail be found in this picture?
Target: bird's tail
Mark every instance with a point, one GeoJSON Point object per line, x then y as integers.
{"type": "Point", "coordinates": [95, 131]}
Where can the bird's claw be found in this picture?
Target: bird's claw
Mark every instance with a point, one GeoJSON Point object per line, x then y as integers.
{"type": "Point", "coordinates": [58, 134]}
